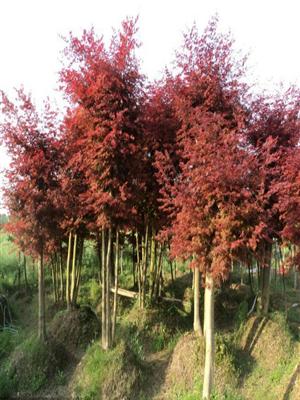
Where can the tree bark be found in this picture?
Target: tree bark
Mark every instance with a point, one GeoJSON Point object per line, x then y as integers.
{"type": "Point", "coordinates": [61, 274]}
{"type": "Point", "coordinates": [25, 272]}
{"type": "Point", "coordinates": [209, 337]}
{"type": "Point", "coordinates": [73, 275]}
{"type": "Point", "coordinates": [265, 281]}
{"type": "Point", "coordinates": [41, 283]}
{"type": "Point", "coordinates": [107, 293]}
{"type": "Point", "coordinates": [152, 262]}
{"type": "Point", "coordinates": [139, 272]}
{"type": "Point", "coordinates": [144, 264]}
{"type": "Point", "coordinates": [296, 278]}
{"type": "Point", "coordinates": [68, 295]}
{"type": "Point", "coordinates": [103, 302]}
{"type": "Point", "coordinates": [197, 323]}
{"type": "Point", "coordinates": [116, 289]}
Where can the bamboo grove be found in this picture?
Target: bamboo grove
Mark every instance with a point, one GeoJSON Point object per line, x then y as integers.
{"type": "Point", "coordinates": [193, 166]}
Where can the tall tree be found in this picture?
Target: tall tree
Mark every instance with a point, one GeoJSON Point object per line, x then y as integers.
{"type": "Point", "coordinates": [215, 208]}
{"type": "Point", "coordinates": [31, 141]}
{"type": "Point", "coordinates": [273, 134]}
{"type": "Point", "coordinates": [105, 88]}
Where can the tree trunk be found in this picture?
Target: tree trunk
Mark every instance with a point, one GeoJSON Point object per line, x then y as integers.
{"type": "Point", "coordinates": [144, 264]}
{"type": "Point", "coordinates": [78, 270]}
{"type": "Point", "coordinates": [99, 258]}
{"type": "Point", "coordinates": [68, 295]}
{"type": "Point", "coordinates": [19, 271]}
{"type": "Point", "coordinates": [61, 274]}
{"type": "Point", "coordinates": [265, 292]}
{"type": "Point", "coordinates": [116, 289]}
{"type": "Point", "coordinates": [139, 272]}
{"type": "Point", "coordinates": [265, 281]}
{"type": "Point", "coordinates": [107, 294]}
{"type": "Point", "coordinates": [73, 275]}
{"type": "Point", "coordinates": [133, 259]}
{"type": "Point", "coordinates": [295, 278]}
{"type": "Point", "coordinates": [41, 282]}
{"type": "Point", "coordinates": [209, 337]}
{"type": "Point", "coordinates": [197, 323]}
{"type": "Point", "coordinates": [152, 262]}
{"type": "Point", "coordinates": [157, 280]}
{"type": "Point", "coordinates": [53, 270]}
{"type": "Point", "coordinates": [25, 272]}
{"type": "Point", "coordinates": [103, 302]}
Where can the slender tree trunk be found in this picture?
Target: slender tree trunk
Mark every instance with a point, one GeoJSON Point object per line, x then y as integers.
{"type": "Point", "coordinates": [121, 259]}
{"type": "Point", "coordinates": [265, 281]}
{"type": "Point", "coordinates": [41, 282]}
{"type": "Point", "coordinates": [103, 303]}
{"type": "Point", "coordinates": [171, 270]}
{"type": "Point", "coordinates": [116, 288]}
{"type": "Point", "coordinates": [144, 263]}
{"type": "Point", "coordinates": [25, 272]}
{"type": "Point", "coordinates": [53, 270]}
{"type": "Point", "coordinates": [73, 275]}
{"type": "Point", "coordinates": [61, 274]}
{"type": "Point", "coordinates": [133, 260]}
{"type": "Point", "coordinates": [107, 294]}
{"type": "Point", "coordinates": [250, 278]}
{"type": "Point", "coordinates": [139, 269]}
{"type": "Point", "coordinates": [197, 323]}
{"type": "Point", "coordinates": [158, 272]}
{"type": "Point", "coordinates": [19, 271]}
{"type": "Point", "coordinates": [152, 261]}
{"type": "Point", "coordinates": [68, 295]}
{"type": "Point", "coordinates": [296, 278]}
{"type": "Point", "coordinates": [209, 333]}
{"type": "Point", "coordinates": [78, 270]}
{"type": "Point", "coordinates": [99, 258]}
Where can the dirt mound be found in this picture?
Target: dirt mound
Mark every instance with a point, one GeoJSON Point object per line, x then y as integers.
{"type": "Point", "coordinates": [75, 329]}
{"type": "Point", "coordinates": [106, 375]}
{"type": "Point", "coordinates": [187, 363]}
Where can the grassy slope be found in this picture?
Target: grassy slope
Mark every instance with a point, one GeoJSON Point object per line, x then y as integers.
{"type": "Point", "coordinates": [258, 361]}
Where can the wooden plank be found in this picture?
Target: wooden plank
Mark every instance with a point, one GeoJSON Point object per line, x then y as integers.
{"type": "Point", "coordinates": [133, 295]}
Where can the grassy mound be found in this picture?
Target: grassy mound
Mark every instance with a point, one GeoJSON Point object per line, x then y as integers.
{"type": "Point", "coordinates": [156, 328]}
{"type": "Point", "coordinates": [75, 329]}
{"type": "Point", "coordinates": [261, 361]}
{"type": "Point", "coordinates": [185, 371]}
{"type": "Point", "coordinates": [274, 359]}
{"type": "Point", "coordinates": [106, 375]}
{"type": "Point", "coordinates": [30, 366]}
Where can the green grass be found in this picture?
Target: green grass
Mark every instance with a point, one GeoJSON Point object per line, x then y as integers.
{"type": "Point", "coordinates": [114, 371]}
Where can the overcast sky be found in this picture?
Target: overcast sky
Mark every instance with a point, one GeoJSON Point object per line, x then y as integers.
{"type": "Point", "coordinates": [30, 31]}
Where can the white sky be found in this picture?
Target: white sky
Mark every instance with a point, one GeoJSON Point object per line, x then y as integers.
{"type": "Point", "coordinates": [30, 44]}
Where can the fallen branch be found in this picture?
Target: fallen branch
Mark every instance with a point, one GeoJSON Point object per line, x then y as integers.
{"type": "Point", "coordinates": [134, 295]}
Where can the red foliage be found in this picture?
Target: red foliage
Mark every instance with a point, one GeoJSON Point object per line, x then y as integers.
{"type": "Point", "coordinates": [212, 195]}
{"type": "Point", "coordinates": [105, 87]}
